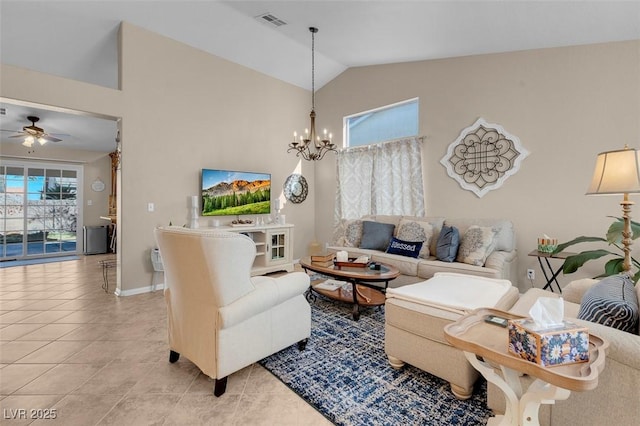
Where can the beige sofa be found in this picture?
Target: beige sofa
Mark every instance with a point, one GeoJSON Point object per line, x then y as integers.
{"type": "Point", "coordinates": [616, 399]}
{"type": "Point", "coordinates": [501, 263]}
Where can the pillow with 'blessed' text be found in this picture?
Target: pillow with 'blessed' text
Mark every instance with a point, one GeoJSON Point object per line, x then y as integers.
{"type": "Point", "coordinates": [404, 248]}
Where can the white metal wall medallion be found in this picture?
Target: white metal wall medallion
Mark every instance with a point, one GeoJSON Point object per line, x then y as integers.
{"type": "Point", "coordinates": [483, 157]}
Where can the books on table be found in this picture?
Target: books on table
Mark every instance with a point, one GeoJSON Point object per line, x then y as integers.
{"type": "Point", "coordinates": [324, 260]}
{"type": "Point", "coordinates": [324, 257]}
{"type": "Point", "coordinates": [330, 285]}
{"type": "Point", "coordinates": [323, 263]}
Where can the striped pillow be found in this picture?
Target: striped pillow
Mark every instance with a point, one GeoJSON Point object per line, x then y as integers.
{"type": "Point", "coordinates": [612, 302]}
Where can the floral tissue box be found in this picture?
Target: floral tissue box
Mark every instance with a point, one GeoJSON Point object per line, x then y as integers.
{"type": "Point", "coordinates": [566, 344]}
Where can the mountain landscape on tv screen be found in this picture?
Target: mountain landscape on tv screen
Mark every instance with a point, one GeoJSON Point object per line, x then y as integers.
{"type": "Point", "coordinates": [238, 197]}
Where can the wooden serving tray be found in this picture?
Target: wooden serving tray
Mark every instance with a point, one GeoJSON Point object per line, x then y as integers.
{"type": "Point", "coordinates": [350, 264]}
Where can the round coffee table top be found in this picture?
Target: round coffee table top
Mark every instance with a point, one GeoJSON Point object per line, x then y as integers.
{"type": "Point", "coordinates": [366, 274]}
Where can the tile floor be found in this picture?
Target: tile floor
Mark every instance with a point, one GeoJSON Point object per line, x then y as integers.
{"type": "Point", "coordinates": [69, 350]}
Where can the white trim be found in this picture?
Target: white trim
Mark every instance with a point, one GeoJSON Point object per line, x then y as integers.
{"type": "Point", "coordinates": [139, 290]}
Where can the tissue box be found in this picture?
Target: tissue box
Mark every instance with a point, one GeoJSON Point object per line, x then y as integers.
{"type": "Point", "coordinates": [566, 344]}
{"type": "Point", "coordinates": [547, 245]}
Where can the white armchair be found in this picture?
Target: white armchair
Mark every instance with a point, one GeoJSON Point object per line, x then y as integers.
{"type": "Point", "coordinates": [219, 317]}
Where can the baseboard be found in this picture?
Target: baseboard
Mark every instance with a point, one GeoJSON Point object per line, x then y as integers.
{"type": "Point", "coordinates": [139, 290]}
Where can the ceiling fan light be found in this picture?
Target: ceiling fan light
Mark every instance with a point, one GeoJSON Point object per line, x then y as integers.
{"type": "Point", "coordinates": [42, 140]}
{"type": "Point", "coordinates": [28, 141]}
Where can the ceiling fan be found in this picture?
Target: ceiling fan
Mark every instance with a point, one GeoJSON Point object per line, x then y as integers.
{"type": "Point", "coordinates": [34, 133]}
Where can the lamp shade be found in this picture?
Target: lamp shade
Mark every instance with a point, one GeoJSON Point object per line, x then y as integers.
{"type": "Point", "coordinates": [617, 172]}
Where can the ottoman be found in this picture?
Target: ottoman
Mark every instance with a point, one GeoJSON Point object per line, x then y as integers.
{"type": "Point", "coordinates": [416, 314]}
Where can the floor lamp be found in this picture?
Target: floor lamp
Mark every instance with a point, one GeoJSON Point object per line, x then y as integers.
{"type": "Point", "coordinates": [616, 173]}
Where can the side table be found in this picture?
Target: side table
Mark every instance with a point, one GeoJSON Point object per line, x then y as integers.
{"type": "Point", "coordinates": [549, 274]}
{"type": "Point", "coordinates": [478, 339]}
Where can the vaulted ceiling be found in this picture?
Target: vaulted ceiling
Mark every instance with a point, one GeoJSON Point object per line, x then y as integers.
{"type": "Point", "coordinates": [78, 39]}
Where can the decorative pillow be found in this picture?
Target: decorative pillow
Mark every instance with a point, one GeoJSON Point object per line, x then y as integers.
{"type": "Point", "coordinates": [348, 233]}
{"type": "Point", "coordinates": [612, 302]}
{"type": "Point", "coordinates": [414, 231]}
{"type": "Point", "coordinates": [448, 242]}
{"type": "Point", "coordinates": [404, 248]}
{"type": "Point", "coordinates": [476, 245]}
{"type": "Point", "coordinates": [376, 235]}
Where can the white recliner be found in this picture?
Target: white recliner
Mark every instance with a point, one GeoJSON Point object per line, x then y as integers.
{"type": "Point", "coordinates": [219, 317]}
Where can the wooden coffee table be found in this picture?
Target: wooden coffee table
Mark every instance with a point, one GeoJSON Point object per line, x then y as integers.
{"type": "Point", "coordinates": [361, 279]}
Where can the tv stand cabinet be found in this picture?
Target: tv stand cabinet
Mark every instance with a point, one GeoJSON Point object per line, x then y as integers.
{"type": "Point", "coordinates": [274, 246]}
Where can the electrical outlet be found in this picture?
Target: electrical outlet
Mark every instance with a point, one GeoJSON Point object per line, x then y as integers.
{"type": "Point", "coordinates": [531, 274]}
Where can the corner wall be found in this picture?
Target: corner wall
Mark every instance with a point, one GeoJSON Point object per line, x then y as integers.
{"type": "Point", "coordinates": [565, 104]}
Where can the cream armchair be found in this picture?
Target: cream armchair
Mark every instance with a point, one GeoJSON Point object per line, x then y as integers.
{"type": "Point", "coordinates": [219, 317]}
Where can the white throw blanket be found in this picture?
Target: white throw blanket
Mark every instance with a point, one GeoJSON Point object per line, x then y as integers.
{"type": "Point", "coordinates": [458, 292]}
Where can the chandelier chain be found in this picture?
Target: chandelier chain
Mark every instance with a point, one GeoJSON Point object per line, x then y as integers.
{"type": "Point", "coordinates": [313, 69]}
{"type": "Point", "coordinates": [311, 146]}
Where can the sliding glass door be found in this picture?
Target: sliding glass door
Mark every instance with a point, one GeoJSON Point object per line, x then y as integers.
{"type": "Point", "coordinates": [39, 210]}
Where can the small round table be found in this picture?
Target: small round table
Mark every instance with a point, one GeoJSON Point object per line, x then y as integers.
{"type": "Point", "coordinates": [362, 292]}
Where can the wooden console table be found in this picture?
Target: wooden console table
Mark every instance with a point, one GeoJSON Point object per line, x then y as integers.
{"type": "Point", "coordinates": [476, 338]}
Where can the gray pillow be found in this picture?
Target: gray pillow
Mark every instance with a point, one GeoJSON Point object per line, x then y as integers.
{"type": "Point", "coordinates": [376, 235]}
{"type": "Point", "coordinates": [612, 302]}
{"type": "Point", "coordinates": [448, 243]}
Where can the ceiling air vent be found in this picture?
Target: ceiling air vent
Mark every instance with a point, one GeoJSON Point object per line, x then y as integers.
{"type": "Point", "coordinates": [271, 19]}
{"type": "Point", "coordinates": [3, 111]}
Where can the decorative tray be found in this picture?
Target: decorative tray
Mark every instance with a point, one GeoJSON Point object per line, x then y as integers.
{"type": "Point", "coordinates": [350, 264]}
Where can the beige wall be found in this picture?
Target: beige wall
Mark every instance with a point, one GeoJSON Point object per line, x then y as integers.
{"type": "Point", "coordinates": [182, 110]}
{"type": "Point", "coordinates": [96, 204]}
{"type": "Point", "coordinates": [565, 104]}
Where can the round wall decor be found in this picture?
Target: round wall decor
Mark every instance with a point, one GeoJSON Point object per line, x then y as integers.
{"type": "Point", "coordinates": [296, 188]}
{"type": "Point", "coordinates": [97, 185]}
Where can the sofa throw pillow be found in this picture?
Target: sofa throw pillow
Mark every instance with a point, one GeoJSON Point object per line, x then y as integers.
{"type": "Point", "coordinates": [376, 235]}
{"type": "Point", "coordinates": [476, 245]}
{"type": "Point", "coordinates": [612, 302]}
{"type": "Point", "coordinates": [348, 233]}
{"type": "Point", "coordinates": [448, 242]}
{"type": "Point", "coordinates": [415, 231]}
{"type": "Point", "coordinates": [404, 248]}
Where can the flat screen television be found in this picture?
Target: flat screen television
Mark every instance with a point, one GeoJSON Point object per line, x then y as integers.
{"type": "Point", "coordinates": [232, 193]}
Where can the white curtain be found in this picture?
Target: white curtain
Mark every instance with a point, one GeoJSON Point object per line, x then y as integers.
{"type": "Point", "coordinates": [384, 178]}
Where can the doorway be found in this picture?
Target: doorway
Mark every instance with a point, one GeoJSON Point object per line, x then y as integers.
{"type": "Point", "coordinates": [41, 210]}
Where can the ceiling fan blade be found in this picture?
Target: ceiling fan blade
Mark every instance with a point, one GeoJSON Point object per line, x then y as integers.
{"type": "Point", "coordinates": [20, 135]}
{"type": "Point", "coordinates": [50, 138]}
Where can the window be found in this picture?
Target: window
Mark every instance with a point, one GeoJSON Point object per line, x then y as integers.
{"type": "Point", "coordinates": [39, 209]}
{"type": "Point", "coordinates": [394, 121]}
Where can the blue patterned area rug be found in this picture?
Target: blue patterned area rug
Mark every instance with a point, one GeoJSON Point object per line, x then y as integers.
{"type": "Point", "coordinates": [344, 374]}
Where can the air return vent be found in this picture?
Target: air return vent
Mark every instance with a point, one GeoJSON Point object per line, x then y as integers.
{"type": "Point", "coordinates": [271, 19]}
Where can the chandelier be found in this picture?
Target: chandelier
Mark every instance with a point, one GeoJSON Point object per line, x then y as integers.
{"type": "Point", "coordinates": [310, 146]}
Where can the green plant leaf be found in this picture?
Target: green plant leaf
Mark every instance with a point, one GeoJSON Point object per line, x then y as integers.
{"type": "Point", "coordinates": [614, 266]}
{"type": "Point", "coordinates": [614, 234]}
{"type": "Point", "coordinates": [578, 240]}
{"type": "Point", "coordinates": [573, 263]}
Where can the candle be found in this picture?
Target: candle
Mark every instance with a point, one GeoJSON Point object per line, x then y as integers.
{"type": "Point", "coordinates": [194, 201]}
{"type": "Point", "coordinates": [342, 256]}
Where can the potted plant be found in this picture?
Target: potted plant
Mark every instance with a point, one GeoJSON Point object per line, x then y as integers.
{"type": "Point", "coordinates": [614, 238]}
